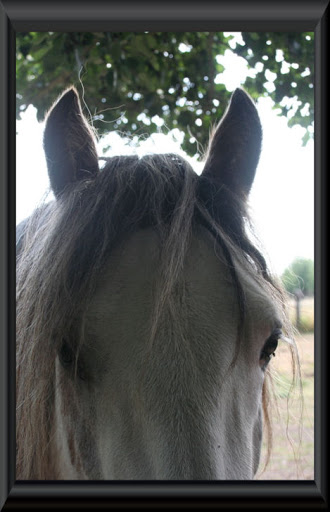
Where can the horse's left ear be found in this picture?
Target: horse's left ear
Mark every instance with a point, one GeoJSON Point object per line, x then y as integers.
{"type": "Point", "coordinates": [234, 149]}
{"type": "Point", "coordinates": [69, 143]}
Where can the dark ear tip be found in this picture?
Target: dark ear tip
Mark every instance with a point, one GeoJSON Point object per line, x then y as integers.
{"type": "Point", "coordinates": [70, 93]}
{"type": "Point", "coordinates": [68, 97]}
{"type": "Point", "coordinates": [68, 100]}
{"type": "Point", "coordinates": [239, 92]}
{"type": "Point", "coordinates": [239, 96]}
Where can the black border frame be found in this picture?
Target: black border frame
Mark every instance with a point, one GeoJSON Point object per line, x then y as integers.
{"type": "Point", "coordinates": [223, 15]}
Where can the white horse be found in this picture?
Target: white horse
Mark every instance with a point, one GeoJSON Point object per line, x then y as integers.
{"type": "Point", "coordinates": [146, 318]}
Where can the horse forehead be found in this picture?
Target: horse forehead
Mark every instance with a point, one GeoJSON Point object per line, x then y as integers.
{"type": "Point", "coordinates": [133, 268]}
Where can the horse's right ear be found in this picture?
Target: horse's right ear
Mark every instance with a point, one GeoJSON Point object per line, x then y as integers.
{"type": "Point", "coordinates": [69, 143]}
{"type": "Point", "coordinates": [235, 147]}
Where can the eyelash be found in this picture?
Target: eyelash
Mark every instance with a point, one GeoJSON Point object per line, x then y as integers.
{"type": "Point", "coordinates": [269, 348]}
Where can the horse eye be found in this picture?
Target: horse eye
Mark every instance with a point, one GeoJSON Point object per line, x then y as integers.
{"type": "Point", "coordinates": [66, 355]}
{"type": "Point", "coordinates": [67, 359]}
{"type": "Point", "coordinates": [269, 348]}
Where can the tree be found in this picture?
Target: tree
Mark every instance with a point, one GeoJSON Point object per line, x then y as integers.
{"type": "Point", "coordinates": [299, 275]}
{"type": "Point", "coordinates": [136, 81]}
{"type": "Point", "coordinates": [283, 64]}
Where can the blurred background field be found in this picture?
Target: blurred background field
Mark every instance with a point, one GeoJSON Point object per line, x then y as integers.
{"type": "Point", "coordinates": [306, 314]}
{"type": "Point", "coordinates": [293, 439]}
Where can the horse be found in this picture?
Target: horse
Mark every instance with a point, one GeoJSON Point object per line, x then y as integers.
{"type": "Point", "coordinates": [146, 314]}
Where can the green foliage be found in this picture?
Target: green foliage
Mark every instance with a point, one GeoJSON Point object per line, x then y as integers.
{"type": "Point", "coordinates": [284, 65]}
{"type": "Point", "coordinates": [135, 80]}
{"type": "Point", "coordinates": [299, 275]}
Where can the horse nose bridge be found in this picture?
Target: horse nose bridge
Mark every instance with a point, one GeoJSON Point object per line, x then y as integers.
{"type": "Point", "coordinates": [185, 449]}
{"type": "Point", "coordinates": [180, 410]}
{"type": "Point", "coordinates": [179, 392]}
{"type": "Point", "coordinates": [182, 442]}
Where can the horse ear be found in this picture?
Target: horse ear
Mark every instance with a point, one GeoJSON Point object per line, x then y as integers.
{"type": "Point", "coordinates": [234, 149]}
{"type": "Point", "coordinates": [69, 143]}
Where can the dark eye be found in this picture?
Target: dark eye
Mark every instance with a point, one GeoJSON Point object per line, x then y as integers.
{"type": "Point", "coordinates": [66, 355]}
{"type": "Point", "coordinates": [68, 360]}
{"type": "Point", "coordinates": [269, 348]}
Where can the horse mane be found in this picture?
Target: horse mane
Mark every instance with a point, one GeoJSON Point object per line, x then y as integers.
{"type": "Point", "coordinates": [67, 244]}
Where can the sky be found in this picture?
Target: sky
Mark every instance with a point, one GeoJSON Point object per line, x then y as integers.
{"type": "Point", "coordinates": [281, 199]}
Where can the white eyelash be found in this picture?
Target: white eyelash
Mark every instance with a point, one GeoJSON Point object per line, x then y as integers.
{"type": "Point", "coordinates": [287, 340]}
